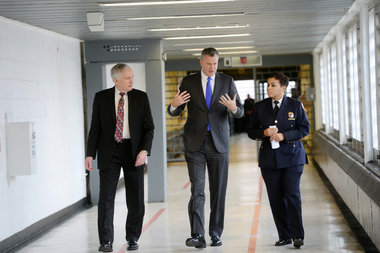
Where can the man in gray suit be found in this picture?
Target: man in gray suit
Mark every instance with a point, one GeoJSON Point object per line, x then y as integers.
{"type": "Point", "coordinates": [208, 96]}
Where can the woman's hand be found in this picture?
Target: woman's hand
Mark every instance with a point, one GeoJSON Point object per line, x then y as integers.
{"type": "Point", "coordinates": [277, 137]}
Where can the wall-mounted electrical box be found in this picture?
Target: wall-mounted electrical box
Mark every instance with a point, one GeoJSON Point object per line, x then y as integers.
{"type": "Point", "coordinates": [21, 149]}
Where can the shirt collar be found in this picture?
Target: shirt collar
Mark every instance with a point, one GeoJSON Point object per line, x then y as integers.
{"type": "Point", "coordinates": [279, 101]}
{"type": "Point", "coordinates": [117, 92]}
{"type": "Point", "coordinates": [204, 77]}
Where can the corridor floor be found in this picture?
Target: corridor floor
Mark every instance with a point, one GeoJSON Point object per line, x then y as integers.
{"type": "Point", "coordinates": [249, 225]}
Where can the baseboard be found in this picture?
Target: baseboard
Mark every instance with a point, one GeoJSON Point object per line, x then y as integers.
{"type": "Point", "coordinates": [36, 230]}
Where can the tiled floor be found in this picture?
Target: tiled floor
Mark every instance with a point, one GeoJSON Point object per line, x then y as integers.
{"type": "Point", "coordinates": [249, 226]}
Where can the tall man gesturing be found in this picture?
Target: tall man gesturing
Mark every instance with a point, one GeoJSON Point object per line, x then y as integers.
{"type": "Point", "coordinates": [209, 96]}
{"type": "Point", "coordinates": [121, 133]}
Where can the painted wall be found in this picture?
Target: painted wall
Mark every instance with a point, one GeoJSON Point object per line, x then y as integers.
{"type": "Point", "coordinates": [40, 81]}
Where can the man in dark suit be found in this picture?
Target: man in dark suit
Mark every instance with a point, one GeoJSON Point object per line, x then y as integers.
{"type": "Point", "coordinates": [121, 133]}
{"type": "Point", "coordinates": [249, 103]}
{"type": "Point", "coordinates": [280, 122]}
{"type": "Point", "coordinates": [209, 96]}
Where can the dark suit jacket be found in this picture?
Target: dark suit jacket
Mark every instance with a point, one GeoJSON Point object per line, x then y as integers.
{"type": "Point", "coordinates": [103, 123]}
{"type": "Point", "coordinates": [199, 115]}
{"type": "Point", "coordinates": [291, 121]}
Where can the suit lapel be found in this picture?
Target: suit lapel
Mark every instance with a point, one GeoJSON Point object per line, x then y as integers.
{"type": "Point", "coordinates": [199, 89]}
{"type": "Point", "coordinates": [130, 108]}
{"type": "Point", "coordinates": [111, 103]}
{"type": "Point", "coordinates": [217, 87]}
{"type": "Point", "coordinates": [284, 104]}
{"type": "Point", "coordinates": [269, 107]}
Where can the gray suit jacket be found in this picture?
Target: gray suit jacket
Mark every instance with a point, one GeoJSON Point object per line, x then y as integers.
{"type": "Point", "coordinates": [199, 115]}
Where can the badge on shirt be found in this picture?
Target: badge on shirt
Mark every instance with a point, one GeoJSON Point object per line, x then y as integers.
{"type": "Point", "coordinates": [291, 116]}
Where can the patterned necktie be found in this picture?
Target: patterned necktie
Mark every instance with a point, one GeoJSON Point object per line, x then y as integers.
{"type": "Point", "coordinates": [208, 97]}
{"type": "Point", "coordinates": [276, 108]}
{"type": "Point", "coordinates": [120, 119]}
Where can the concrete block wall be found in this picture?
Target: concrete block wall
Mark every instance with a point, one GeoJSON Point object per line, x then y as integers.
{"type": "Point", "coordinates": [40, 81]}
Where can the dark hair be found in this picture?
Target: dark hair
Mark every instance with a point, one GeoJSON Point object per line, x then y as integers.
{"type": "Point", "coordinates": [284, 80]}
{"type": "Point", "coordinates": [209, 51]}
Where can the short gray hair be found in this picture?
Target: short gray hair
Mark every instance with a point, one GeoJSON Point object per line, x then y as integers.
{"type": "Point", "coordinates": [115, 71]}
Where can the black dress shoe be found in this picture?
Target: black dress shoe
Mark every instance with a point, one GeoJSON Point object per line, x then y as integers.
{"type": "Point", "coordinates": [297, 242]}
{"type": "Point", "coordinates": [197, 241]}
{"type": "Point", "coordinates": [283, 242]}
{"type": "Point", "coordinates": [215, 241]}
{"type": "Point", "coordinates": [106, 247]}
{"type": "Point", "coordinates": [132, 245]}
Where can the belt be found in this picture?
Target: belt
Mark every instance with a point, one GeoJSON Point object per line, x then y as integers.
{"type": "Point", "coordinates": [124, 141]}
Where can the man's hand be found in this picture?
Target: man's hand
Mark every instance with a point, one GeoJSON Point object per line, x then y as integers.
{"type": "Point", "coordinates": [227, 102]}
{"type": "Point", "coordinates": [141, 158]}
{"type": "Point", "coordinates": [88, 162]}
{"type": "Point", "coordinates": [181, 98]}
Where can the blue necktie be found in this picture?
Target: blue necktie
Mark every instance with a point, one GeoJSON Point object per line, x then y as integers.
{"type": "Point", "coordinates": [208, 96]}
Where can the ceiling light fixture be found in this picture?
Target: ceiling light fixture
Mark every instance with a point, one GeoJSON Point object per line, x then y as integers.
{"type": "Point", "coordinates": [191, 16]}
{"type": "Point", "coordinates": [229, 53]}
{"type": "Point", "coordinates": [218, 48]}
{"type": "Point", "coordinates": [214, 43]}
{"type": "Point", "coordinates": [207, 36]}
{"type": "Point", "coordinates": [197, 28]}
{"type": "Point", "coordinates": [160, 3]}
{"type": "Point", "coordinates": [95, 21]}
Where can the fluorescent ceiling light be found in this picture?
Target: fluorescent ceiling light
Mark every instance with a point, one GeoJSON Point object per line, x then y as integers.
{"type": "Point", "coordinates": [228, 53]}
{"type": "Point", "coordinates": [160, 2]}
{"type": "Point", "coordinates": [214, 43]}
{"type": "Point", "coordinates": [191, 16]}
{"type": "Point", "coordinates": [207, 36]}
{"type": "Point", "coordinates": [196, 28]}
{"type": "Point", "coordinates": [218, 48]}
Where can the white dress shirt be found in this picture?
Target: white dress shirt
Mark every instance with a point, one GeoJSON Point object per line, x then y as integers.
{"type": "Point", "coordinates": [279, 103]}
{"type": "Point", "coordinates": [126, 134]}
{"type": "Point", "coordinates": [204, 82]}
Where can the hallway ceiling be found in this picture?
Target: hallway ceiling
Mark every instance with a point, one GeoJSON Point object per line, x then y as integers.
{"type": "Point", "coordinates": [276, 27]}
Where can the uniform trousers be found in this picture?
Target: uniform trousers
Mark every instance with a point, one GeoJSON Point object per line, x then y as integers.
{"type": "Point", "coordinates": [134, 190]}
{"type": "Point", "coordinates": [283, 187]}
{"type": "Point", "coordinates": [217, 166]}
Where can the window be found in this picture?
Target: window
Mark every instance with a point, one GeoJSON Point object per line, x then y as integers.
{"type": "Point", "coordinates": [360, 108]}
{"type": "Point", "coordinates": [345, 90]}
{"type": "Point", "coordinates": [334, 90]}
{"type": "Point", "coordinates": [245, 87]}
{"type": "Point", "coordinates": [323, 87]}
{"type": "Point", "coordinates": [372, 71]}
{"type": "Point", "coordinates": [328, 84]}
{"type": "Point", "coordinates": [353, 84]}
